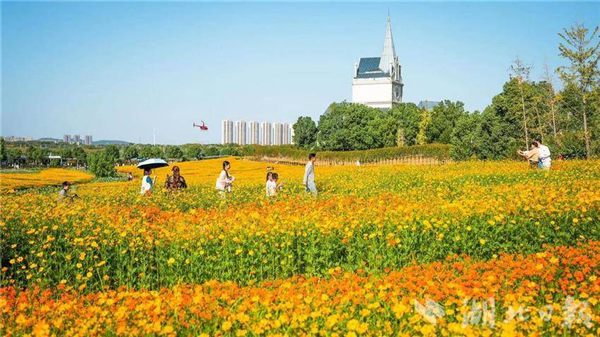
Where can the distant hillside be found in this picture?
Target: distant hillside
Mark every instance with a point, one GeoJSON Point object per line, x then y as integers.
{"type": "Point", "coordinates": [110, 142]}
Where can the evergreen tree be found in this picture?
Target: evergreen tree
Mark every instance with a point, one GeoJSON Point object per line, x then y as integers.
{"type": "Point", "coordinates": [305, 132]}
{"type": "Point", "coordinates": [583, 52]}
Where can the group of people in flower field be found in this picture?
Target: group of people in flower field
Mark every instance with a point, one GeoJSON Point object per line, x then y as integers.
{"type": "Point", "coordinates": [225, 181]}
{"type": "Point", "coordinates": [538, 155]}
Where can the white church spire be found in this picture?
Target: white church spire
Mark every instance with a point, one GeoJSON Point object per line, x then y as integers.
{"type": "Point", "coordinates": [388, 55]}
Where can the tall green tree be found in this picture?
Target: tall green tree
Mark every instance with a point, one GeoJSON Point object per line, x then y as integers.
{"type": "Point", "coordinates": [2, 149]}
{"type": "Point", "coordinates": [424, 124]}
{"type": "Point", "coordinates": [305, 132]}
{"type": "Point", "coordinates": [130, 152]}
{"type": "Point", "coordinates": [102, 164]}
{"type": "Point", "coordinates": [79, 154]}
{"type": "Point", "coordinates": [466, 137]}
{"type": "Point", "coordinates": [443, 120]}
{"type": "Point", "coordinates": [520, 72]}
{"type": "Point", "coordinates": [14, 155]}
{"type": "Point", "coordinates": [193, 151]}
{"type": "Point", "coordinates": [174, 152]}
{"type": "Point", "coordinates": [408, 117]}
{"type": "Point", "coordinates": [346, 126]}
{"type": "Point", "coordinates": [113, 152]}
{"type": "Point", "coordinates": [582, 49]}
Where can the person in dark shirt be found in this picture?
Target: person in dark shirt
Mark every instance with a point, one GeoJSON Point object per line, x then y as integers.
{"type": "Point", "coordinates": [176, 181]}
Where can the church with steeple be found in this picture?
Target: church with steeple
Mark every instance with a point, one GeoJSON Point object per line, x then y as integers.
{"type": "Point", "coordinates": [377, 81]}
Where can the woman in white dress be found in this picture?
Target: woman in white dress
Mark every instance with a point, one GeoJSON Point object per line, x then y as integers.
{"type": "Point", "coordinates": [225, 181]}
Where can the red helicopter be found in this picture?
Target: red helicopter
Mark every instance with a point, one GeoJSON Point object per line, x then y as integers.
{"type": "Point", "coordinates": [202, 127]}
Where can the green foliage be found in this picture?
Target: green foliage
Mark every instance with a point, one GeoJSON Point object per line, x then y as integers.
{"type": "Point", "coordinates": [305, 132]}
{"type": "Point", "coordinates": [174, 152]}
{"type": "Point", "coordinates": [211, 151]}
{"type": "Point", "coordinates": [443, 120]}
{"type": "Point", "coordinates": [112, 151]}
{"type": "Point", "coordinates": [193, 151]}
{"type": "Point", "coordinates": [149, 151]}
{"type": "Point", "coordinates": [423, 127]}
{"type": "Point", "coordinates": [437, 151]}
{"type": "Point", "coordinates": [130, 152]}
{"type": "Point", "coordinates": [571, 145]}
{"type": "Point", "coordinates": [346, 126]}
{"type": "Point", "coordinates": [102, 164]}
{"type": "Point", "coordinates": [14, 155]}
{"type": "Point", "coordinates": [406, 116]}
{"type": "Point", "coordinates": [229, 151]}
{"type": "Point", "coordinates": [66, 153]}
{"type": "Point", "coordinates": [583, 74]}
{"type": "Point", "coordinates": [466, 141]}
{"type": "Point", "coordinates": [2, 149]}
{"type": "Point", "coordinates": [79, 154]}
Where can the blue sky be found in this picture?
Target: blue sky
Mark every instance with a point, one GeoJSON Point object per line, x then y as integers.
{"type": "Point", "coordinates": [118, 70]}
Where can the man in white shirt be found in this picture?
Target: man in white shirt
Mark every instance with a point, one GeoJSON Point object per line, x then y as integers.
{"type": "Point", "coordinates": [544, 155]}
{"type": "Point", "coordinates": [309, 174]}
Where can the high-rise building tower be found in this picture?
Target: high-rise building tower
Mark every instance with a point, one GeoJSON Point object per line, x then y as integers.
{"type": "Point", "coordinates": [66, 138]}
{"type": "Point", "coordinates": [285, 134]}
{"type": "Point", "coordinates": [292, 134]}
{"type": "Point", "coordinates": [240, 133]}
{"type": "Point", "coordinates": [76, 139]}
{"type": "Point", "coordinates": [266, 133]}
{"type": "Point", "coordinates": [254, 133]}
{"type": "Point", "coordinates": [88, 140]}
{"type": "Point", "coordinates": [227, 132]}
{"type": "Point", "coordinates": [277, 133]}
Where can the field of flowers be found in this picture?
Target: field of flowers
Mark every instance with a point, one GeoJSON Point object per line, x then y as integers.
{"type": "Point", "coordinates": [465, 248]}
{"type": "Point", "coordinates": [9, 182]}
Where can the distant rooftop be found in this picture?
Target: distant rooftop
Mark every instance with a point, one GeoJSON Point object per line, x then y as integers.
{"type": "Point", "coordinates": [428, 104]}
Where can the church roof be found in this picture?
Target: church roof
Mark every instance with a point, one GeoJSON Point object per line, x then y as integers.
{"type": "Point", "coordinates": [368, 67]}
{"type": "Point", "coordinates": [388, 54]}
{"type": "Point", "coordinates": [375, 67]}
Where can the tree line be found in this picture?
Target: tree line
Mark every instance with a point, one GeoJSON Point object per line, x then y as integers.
{"type": "Point", "coordinates": [568, 119]}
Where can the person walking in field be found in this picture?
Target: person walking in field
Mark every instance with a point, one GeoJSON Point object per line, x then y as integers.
{"type": "Point", "coordinates": [225, 181]}
{"type": "Point", "coordinates": [309, 174]}
{"type": "Point", "coordinates": [147, 182]}
{"type": "Point", "coordinates": [544, 152]}
{"type": "Point", "coordinates": [532, 155]}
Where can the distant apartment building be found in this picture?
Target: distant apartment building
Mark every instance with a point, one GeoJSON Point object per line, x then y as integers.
{"type": "Point", "coordinates": [240, 132]}
{"type": "Point", "coordinates": [267, 133]}
{"type": "Point", "coordinates": [285, 139]}
{"type": "Point", "coordinates": [88, 140]}
{"type": "Point", "coordinates": [76, 139]}
{"type": "Point", "coordinates": [66, 138]}
{"type": "Point", "coordinates": [227, 132]}
{"type": "Point", "coordinates": [277, 133]}
{"type": "Point", "coordinates": [254, 133]}
{"type": "Point", "coordinates": [264, 133]}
